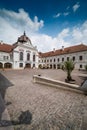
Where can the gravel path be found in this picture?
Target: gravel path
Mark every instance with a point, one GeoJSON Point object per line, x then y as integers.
{"type": "Point", "coordinates": [51, 108]}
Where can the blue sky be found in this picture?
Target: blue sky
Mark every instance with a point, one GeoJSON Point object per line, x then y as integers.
{"type": "Point", "coordinates": [49, 23]}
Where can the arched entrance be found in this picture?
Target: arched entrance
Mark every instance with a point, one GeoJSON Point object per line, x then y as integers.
{"type": "Point", "coordinates": [54, 66]}
{"type": "Point", "coordinates": [58, 66]}
{"type": "Point", "coordinates": [28, 65]}
{"type": "Point", "coordinates": [50, 66]}
{"type": "Point", "coordinates": [1, 65]}
{"type": "Point", "coordinates": [7, 65]}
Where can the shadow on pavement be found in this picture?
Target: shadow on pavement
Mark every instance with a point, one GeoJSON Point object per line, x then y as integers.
{"type": "Point", "coordinates": [24, 118]}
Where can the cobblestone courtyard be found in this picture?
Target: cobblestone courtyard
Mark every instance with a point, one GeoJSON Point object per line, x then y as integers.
{"type": "Point", "coordinates": [51, 108]}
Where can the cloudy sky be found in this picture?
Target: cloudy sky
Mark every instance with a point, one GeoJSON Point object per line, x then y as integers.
{"type": "Point", "coordinates": [48, 23]}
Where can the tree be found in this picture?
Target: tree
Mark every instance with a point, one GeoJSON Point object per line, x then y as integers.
{"type": "Point", "coordinates": [86, 67]}
{"type": "Point", "coordinates": [68, 67]}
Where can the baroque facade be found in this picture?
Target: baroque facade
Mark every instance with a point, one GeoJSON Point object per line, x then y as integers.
{"type": "Point", "coordinates": [54, 59]}
{"type": "Point", "coordinates": [21, 54]}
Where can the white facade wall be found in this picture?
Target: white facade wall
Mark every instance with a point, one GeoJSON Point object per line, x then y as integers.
{"type": "Point", "coordinates": [6, 58]}
{"type": "Point", "coordinates": [79, 64]}
{"type": "Point", "coordinates": [14, 57]}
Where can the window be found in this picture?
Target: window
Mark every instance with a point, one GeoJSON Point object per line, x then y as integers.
{"type": "Point", "coordinates": [58, 59]}
{"type": "Point", "coordinates": [21, 55]}
{"type": "Point", "coordinates": [33, 57]}
{"type": "Point", "coordinates": [5, 57]}
{"type": "Point", "coordinates": [62, 59]}
{"type": "Point", "coordinates": [28, 56]}
{"type": "Point", "coordinates": [80, 57]}
{"type": "Point", "coordinates": [21, 65]}
{"type": "Point", "coordinates": [54, 60]}
{"type": "Point", "coordinates": [80, 66]}
{"type": "Point", "coordinates": [73, 58]}
{"type": "Point", "coordinates": [47, 60]}
{"type": "Point", "coordinates": [67, 58]}
{"type": "Point", "coordinates": [33, 65]}
{"type": "Point", "coordinates": [50, 60]}
{"type": "Point", "coordinates": [44, 60]}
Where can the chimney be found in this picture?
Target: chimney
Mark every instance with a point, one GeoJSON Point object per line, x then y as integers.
{"type": "Point", "coordinates": [1, 42]}
{"type": "Point", "coordinates": [53, 49]}
{"type": "Point", "coordinates": [62, 48]}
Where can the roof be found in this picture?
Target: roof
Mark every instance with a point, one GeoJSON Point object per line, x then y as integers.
{"type": "Point", "coordinates": [68, 50]}
{"type": "Point", "coordinates": [6, 47]}
{"type": "Point", "coordinates": [24, 38]}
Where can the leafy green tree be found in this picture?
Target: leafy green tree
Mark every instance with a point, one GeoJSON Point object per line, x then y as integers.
{"type": "Point", "coordinates": [68, 67]}
{"type": "Point", "coordinates": [86, 67]}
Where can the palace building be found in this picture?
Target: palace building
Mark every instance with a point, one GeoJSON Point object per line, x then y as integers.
{"type": "Point", "coordinates": [55, 59]}
{"type": "Point", "coordinates": [21, 54]}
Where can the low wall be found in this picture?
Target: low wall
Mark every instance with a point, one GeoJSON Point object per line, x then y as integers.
{"type": "Point", "coordinates": [57, 83]}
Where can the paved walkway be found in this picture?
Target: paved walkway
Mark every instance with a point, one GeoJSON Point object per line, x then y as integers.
{"type": "Point", "coordinates": [51, 108]}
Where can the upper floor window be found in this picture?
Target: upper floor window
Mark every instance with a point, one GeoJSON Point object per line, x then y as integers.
{"type": "Point", "coordinates": [47, 60]}
{"type": "Point", "coordinates": [73, 58]}
{"type": "Point", "coordinates": [34, 57]}
{"type": "Point", "coordinates": [6, 57]}
{"type": "Point", "coordinates": [44, 60]}
{"type": "Point", "coordinates": [54, 60]}
{"type": "Point", "coordinates": [50, 60]}
{"type": "Point", "coordinates": [80, 58]}
{"type": "Point", "coordinates": [21, 55]}
{"type": "Point", "coordinates": [28, 56]}
{"type": "Point", "coordinates": [67, 58]}
{"type": "Point", "coordinates": [62, 59]}
{"type": "Point", "coordinates": [58, 59]}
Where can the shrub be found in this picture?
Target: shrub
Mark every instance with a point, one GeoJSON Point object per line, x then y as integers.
{"type": "Point", "coordinates": [68, 67]}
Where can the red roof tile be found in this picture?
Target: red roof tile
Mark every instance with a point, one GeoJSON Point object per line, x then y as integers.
{"type": "Point", "coordinates": [5, 47]}
{"type": "Point", "coordinates": [72, 49]}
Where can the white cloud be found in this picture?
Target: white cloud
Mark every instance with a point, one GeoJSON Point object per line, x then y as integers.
{"type": "Point", "coordinates": [79, 34]}
{"type": "Point", "coordinates": [13, 24]}
{"type": "Point", "coordinates": [21, 20]}
{"type": "Point", "coordinates": [66, 13]}
{"type": "Point", "coordinates": [76, 6]}
{"type": "Point", "coordinates": [61, 14]}
{"type": "Point", "coordinates": [57, 15]}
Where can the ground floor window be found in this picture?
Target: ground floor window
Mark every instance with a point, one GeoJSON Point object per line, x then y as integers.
{"type": "Point", "coordinates": [33, 65]}
{"type": "Point", "coordinates": [80, 66]}
{"type": "Point", "coordinates": [21, 65]}
{"type": "Point", "coordinates": [54, 66]}
{"type": "Point", "coordinates": [50, 66]}
{"type": "Point", "coordinates": [58, 66]}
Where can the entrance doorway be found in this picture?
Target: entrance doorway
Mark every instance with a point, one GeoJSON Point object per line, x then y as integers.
{"type": "Point", "coordinates": [7, 65]}
{"type": "Point", "coordinates": [28, 65]}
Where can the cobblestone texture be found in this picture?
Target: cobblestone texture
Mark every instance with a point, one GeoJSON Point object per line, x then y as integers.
{"type": "Point", "coordinates": [51, 108]}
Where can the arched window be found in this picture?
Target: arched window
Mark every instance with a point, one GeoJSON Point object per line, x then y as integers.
{"type": "Point", "coordinates": [33, 57]}
{"type": "Point", "coordinates": [21, 55]}
{"type": "Point", "coordinates": [28, 56]}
